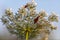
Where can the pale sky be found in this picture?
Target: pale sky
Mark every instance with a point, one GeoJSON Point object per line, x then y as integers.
{"type": "Point", "coordinates": [47, 5]}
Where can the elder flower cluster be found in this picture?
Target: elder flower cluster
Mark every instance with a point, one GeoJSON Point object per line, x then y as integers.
{"type": "Point", "coordinates": [22, 22]}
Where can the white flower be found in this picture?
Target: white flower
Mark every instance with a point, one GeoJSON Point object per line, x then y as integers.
{"type": "Point", "coordinates": [53, 17]}
{"type": "Point", "coordinates": [33, 12]}
{"type": "Point", "coordinates": [53, 27]}
{"type": "Point", "coordinates": [4, 20]}
{"type": "Point", "coordinates": [34, 3]}
{"type": "Point", "coordinates": [9, 11]}
{"type": "Point", "coordinates": [22, 11]}
{"type": "Point", "coordinates": [31, 5]}
{"type": "Point", "coordinates": [43, 13]}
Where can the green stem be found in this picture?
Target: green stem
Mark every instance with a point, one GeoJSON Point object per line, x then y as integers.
{"type": "Point", "coordinates": [27, 35]}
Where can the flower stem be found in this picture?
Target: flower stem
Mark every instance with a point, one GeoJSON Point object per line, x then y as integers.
{"type": "Point", "coordinates": [27, 35]}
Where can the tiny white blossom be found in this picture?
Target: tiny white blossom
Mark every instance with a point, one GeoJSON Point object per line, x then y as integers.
{"type": "Point", "coordinates": [34, 3]}
{"type": "Point", "coordinates": [22, 11]}
{"type": "Point", "coordinates": [53, 17]}
{"type": "Point", "coordinates": [9, 11]}
{"type": "Point", "coordinates": [43, 13]}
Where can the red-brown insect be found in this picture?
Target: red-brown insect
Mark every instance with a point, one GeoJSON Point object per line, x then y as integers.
{"type": "Point", "coordinates": [36, 19]}
{"type": "Point", "coordinates": [25, 6]}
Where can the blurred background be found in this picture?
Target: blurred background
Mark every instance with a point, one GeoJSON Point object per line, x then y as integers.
{"type": "Point", "coordinates": [47, 5]}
